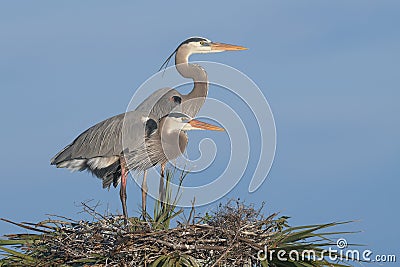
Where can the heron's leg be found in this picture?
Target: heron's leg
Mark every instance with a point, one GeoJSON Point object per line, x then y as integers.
{"type": "Point", "coordinates": [144, 194]}
{"type": "Point", "coordinates": [122, 191]}
{"type": "Point", "coordinates": [161, 189]}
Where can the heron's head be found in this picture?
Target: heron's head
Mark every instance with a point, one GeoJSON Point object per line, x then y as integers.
{"type": "Point", "coordinates": [177, 121]}
{"type": "Point", "coordinates": [201, 45]}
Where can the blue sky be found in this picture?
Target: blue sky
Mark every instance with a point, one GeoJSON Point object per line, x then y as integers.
{"type": "Point", "coordinates": [329, 69]}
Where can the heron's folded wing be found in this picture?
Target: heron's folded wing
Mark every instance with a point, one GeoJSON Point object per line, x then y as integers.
{"type": "Point", "coordinates": [161, 102]}
{"type": "Point", "coordinates": [107, 138]}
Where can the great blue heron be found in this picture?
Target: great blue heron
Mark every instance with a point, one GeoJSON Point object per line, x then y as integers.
{"type": "Point", "coordinates": [164, 100]}
{"type": "Point", "coordinates": [129, 141]}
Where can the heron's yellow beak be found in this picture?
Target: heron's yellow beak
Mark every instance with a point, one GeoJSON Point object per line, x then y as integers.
{"type": "Point", "coordinates": [199, 125]}
{"type": "Point", "coordinates": [226, 47]}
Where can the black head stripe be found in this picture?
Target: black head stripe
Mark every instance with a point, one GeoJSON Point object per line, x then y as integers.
{"type": "Point", "coordinates": [151, 127]}
{"type": "Point", "coordinates": [177, 115]}
{"type": "Point", "coordinates": [176, 99]}
{"type": "Point", "coordinates": [193, 39]}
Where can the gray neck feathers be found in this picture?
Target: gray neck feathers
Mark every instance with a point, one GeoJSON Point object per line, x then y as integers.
{"type": "Point", "coordinates": [198, 75]}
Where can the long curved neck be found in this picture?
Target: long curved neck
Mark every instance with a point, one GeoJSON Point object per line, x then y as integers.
{"type": "Point", "coordinates": [192, 71]}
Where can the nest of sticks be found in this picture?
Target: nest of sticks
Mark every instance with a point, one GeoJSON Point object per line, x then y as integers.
{"type": "Point", "coordinates": [233, 235]}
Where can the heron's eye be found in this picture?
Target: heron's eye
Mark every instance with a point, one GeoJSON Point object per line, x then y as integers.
{"type": "Point", "coordinates": [202, 42]}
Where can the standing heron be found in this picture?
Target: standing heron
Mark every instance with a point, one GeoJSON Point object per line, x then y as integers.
{"type": "Point", "coordinates": [129, 141]}
{"type": "Point", "coordinates": [164, 100]}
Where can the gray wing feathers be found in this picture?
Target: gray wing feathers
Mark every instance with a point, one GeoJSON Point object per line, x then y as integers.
{"type": "Point", "coordinates": [102, 139]}
{"type": "Point", "coordinates": [106, 139]}
{"type": "Point", "coordinates": [98, 149]}
{"type": "Point", "coordinates": [159, 103]}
